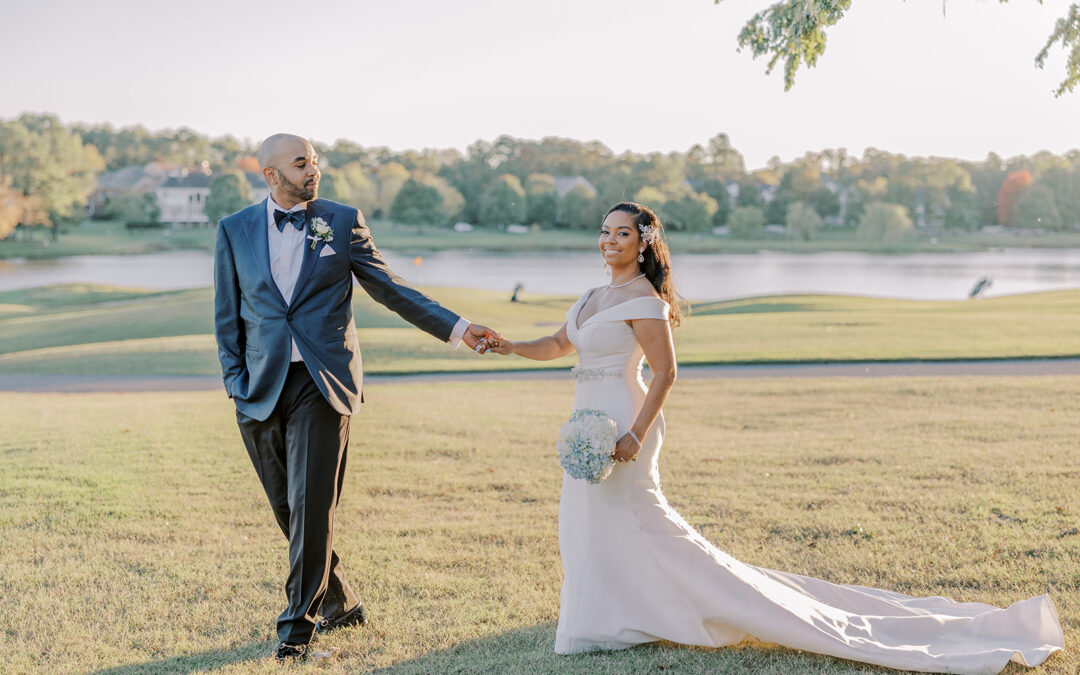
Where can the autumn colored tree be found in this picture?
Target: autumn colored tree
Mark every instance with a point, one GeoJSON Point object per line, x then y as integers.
{"type": "Point", "coordinates": [248, 164]}
{"type": "Point", "coordinates": [16, 208]}
{"type": "Point", "coordinates": [1011, 190]}
{"type": "Point", "coordinates": [46, 161]}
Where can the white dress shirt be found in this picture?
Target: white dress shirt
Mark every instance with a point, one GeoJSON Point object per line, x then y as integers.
{"type": "Point", "coordinates": [286, 256]}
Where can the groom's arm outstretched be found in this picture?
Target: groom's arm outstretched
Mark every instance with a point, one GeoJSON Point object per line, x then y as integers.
{"type": "Point", "coordinates": [390, 290]}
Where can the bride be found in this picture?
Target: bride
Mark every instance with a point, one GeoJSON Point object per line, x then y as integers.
{"type": "Point", "coordinates": [634, 571]}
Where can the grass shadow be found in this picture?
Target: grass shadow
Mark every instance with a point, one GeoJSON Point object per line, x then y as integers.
{"type": "Point", "coordinates": [530, 650]}
{"type": "Point", "coordinates": [524, 650]}
{"type": "Point", "coordinates": [214, 658]}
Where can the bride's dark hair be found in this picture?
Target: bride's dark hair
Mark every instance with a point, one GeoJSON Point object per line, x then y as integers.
{"type": "Point", "coordinates": [657, 265]}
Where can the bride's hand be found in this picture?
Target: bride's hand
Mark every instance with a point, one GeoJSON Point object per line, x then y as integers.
{"type": "Point", "coordinates": [500, 345]}
{"type": "Point", "coordinates": [626, 449]}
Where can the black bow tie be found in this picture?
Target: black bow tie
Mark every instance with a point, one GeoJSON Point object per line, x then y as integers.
{"type": "Point", "coordinates": [297, 218]}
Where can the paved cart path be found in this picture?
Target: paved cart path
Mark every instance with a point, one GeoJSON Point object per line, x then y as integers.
{"type": "Point", "coordinates": [137, 383]}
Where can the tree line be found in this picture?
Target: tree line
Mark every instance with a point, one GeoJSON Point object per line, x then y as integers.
{"type": "Point", "coordinates": [47, 171]}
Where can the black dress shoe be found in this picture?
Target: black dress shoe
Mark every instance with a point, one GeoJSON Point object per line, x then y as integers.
{"type": "Point", "coordinates": [357, 616]}
{"type": "Point", "coordinates": [287, 651]}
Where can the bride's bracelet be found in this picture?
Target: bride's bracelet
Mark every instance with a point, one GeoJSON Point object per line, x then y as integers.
{"type": "Point", "coordinates": [634, 436]}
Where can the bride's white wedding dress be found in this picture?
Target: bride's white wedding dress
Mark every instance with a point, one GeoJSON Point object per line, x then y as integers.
{"type": "Point", "coordinates": [635, 571]}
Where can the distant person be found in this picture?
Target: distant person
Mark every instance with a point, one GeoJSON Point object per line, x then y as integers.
{"type": "Point", "coordinates": [283, 274]}
{"type": "Point", "coordinates": [980, 286]}
{"type": "Point", "coordinates": [634, 571]}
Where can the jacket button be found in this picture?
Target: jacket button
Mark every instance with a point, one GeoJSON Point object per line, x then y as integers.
{"type": "Point", "coordinates": [288, 317]}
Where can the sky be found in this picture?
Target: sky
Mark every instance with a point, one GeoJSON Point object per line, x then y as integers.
{"type": "Point", "coordinates": [922, 77]}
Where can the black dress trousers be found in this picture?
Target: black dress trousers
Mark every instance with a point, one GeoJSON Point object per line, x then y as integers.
{"type": "Point", "coordinates": [299, 453]}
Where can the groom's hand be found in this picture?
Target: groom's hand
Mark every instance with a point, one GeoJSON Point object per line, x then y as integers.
{"type": "Point", "coordinates": [475, 336]}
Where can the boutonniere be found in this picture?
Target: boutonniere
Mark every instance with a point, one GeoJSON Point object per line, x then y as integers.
{"type": "Point", "coordinates": [320, 231]}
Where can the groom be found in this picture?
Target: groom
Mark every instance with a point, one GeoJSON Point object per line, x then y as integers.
{"type": "Point", "coordinates": [283, 277]}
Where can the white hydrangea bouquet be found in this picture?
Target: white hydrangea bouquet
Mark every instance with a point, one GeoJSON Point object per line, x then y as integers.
{"type": "Point", "coordinates": [587, 440]}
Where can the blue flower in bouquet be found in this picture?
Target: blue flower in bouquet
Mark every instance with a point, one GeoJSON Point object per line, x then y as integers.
{"type": "Point", "coordinates": [587, 440]}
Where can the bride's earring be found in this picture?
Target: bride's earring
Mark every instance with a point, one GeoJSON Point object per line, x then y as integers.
{"type": "Point", "coordinates": [641, 257]}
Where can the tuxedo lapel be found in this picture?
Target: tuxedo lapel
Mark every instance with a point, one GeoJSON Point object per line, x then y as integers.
{"type": "Point", "coordinates": [255, 227]}
{"type": "Point", "coordinates": [311, 255]}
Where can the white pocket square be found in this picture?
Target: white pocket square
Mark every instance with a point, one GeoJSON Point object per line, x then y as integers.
{"type": "Point", "coordinates": [326, 251]}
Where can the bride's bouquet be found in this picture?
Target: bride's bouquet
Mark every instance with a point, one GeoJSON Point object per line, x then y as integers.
{"type": "Point", "coordinates": [587, 440]}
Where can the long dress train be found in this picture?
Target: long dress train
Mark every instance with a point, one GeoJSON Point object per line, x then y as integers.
{"type": "Point", "coordinates": [635, 571]}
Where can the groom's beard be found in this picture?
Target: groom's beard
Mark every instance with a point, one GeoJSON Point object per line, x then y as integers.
{"type": "Point", "coordinates": [301, 194]}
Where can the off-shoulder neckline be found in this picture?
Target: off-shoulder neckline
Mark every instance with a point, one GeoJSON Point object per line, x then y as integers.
{"type": "Point", "coordinates": [585, 298]}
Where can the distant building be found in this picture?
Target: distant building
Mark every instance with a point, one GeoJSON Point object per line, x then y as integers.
{"type": "Point", "coordinates": [564, 184]}
{"type": "Point", "coordinates": [135, 178]}
{"type": "Point", "coordinates": [181, 198]}
{"type": "Point", "coordinates": [180, 193]}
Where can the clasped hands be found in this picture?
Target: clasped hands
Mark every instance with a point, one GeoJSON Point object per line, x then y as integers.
{"type": "Point", "coordinates": [482, 340]}
{"type": "Point", "coordinates": [478, 338]}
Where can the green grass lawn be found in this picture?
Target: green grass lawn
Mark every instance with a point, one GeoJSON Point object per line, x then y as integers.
{"type": "Point", "coordinates": [112, 238]}
{"type": "Point", "coordinates": [137, 538]}
{"type": "Point", "coordinates": [81, 329]}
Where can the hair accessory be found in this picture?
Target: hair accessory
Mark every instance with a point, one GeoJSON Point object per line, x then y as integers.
{"type": "Point", "coordinates": [648, 233]}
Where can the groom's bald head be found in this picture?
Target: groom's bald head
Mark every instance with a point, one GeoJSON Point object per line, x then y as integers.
{"type": "Point", "coordinates": [281, 149]}
{"type": "Point", "coordinates": [291, 169]}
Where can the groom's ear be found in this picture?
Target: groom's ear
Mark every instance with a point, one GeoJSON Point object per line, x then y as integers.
{"type": "Point", "coordinates": [270, 175]}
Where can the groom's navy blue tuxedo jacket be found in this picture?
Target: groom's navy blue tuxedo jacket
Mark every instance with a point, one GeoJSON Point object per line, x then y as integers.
{"type": "Point", "coordinates": [253, 323]}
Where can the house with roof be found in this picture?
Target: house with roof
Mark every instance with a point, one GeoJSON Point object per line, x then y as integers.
{"type": "Point", "coordinates": [134, 178]}
{"type": "Point", "coordinates": [181, 198]}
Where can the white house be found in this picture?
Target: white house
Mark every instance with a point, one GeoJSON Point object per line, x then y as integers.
{"type": "Point", "coordinates": [182, 197]}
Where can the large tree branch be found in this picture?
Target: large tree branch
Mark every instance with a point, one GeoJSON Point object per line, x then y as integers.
{"type": "Point", "coordinates": [1067, 32]}
{"type": "Point", "coordinates": [794, 31]}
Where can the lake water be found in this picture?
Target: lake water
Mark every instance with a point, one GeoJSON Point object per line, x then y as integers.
{"type": "Point", "coordinates": [944, 276]}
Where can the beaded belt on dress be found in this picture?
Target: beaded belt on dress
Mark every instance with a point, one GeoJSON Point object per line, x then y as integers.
{"type": "Point", "coordinates": [585, 374]}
